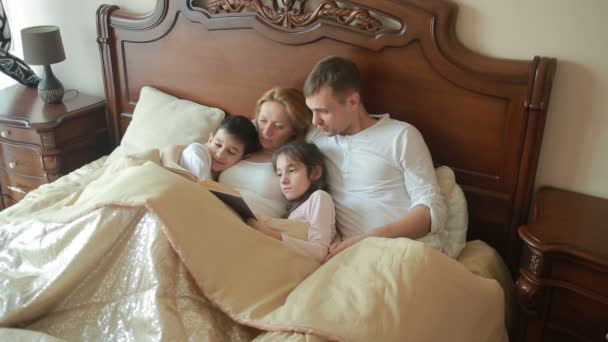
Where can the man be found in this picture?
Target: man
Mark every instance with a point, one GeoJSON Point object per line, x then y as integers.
{"type": "Point", "coordinates": [381, 174]}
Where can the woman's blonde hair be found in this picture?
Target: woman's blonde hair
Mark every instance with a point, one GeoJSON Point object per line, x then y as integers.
{"type": "Point", "coordinates": [300, 117]}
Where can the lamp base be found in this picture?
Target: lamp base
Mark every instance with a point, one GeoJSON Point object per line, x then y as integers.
{"type": "Point", "coordinates": [50, 89]}
{"type": "Point", "coordinates": [51, 96]}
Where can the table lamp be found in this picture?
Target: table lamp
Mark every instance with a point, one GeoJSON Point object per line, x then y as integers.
{"type": "Point", "coordinates": [42, 46]}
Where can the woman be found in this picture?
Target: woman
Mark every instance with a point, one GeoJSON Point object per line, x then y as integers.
{"type": "Point", "coordinates": [281, 115]}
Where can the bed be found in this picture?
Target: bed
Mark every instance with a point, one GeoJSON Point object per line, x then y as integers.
{"type": "Point", "coordinates": [482, 117]}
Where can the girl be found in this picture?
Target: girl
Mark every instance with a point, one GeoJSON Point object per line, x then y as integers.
{"type": "Point", "coordinates": [301, 169]}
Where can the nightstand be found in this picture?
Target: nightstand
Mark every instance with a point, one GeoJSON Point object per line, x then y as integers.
{"type": "Point", "coordinates": [563, 289]}
{"type": "Point", "coordinates": [41, 142]}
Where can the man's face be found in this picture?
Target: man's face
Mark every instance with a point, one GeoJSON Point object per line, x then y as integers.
{"type": "Point", "coordinates": [331, 116]}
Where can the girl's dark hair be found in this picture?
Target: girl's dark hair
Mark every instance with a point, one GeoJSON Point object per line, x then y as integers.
{"type": "Point", "coordinates": [243, 130]}
{"type": "Point", "coordinates": [309, 155]}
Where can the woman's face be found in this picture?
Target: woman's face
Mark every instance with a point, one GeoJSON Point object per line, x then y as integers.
{"type": "Point", "coordinates": [274, 128]}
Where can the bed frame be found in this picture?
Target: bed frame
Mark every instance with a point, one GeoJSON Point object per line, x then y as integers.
{"type": "Point", "coordinates": [481, 116]}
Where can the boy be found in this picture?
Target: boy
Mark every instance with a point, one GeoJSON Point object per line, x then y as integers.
{"type": "Point", "coordinates": [233, 139]}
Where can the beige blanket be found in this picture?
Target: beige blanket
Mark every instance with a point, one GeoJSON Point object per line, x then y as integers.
{"type": "Point", "coordinates": [94, 263]}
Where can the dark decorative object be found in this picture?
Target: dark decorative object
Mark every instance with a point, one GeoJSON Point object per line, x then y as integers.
{"type": "Point", "coordinates": [294, 15]}
{"type": "Point", "coordinates": [17, 70]}
{"type": "Point", "coordinates": [9, 64]}
{"type": "Point", "coordinates": [42, 46]}
{"type": "Point", "coordinates": [5, 32]}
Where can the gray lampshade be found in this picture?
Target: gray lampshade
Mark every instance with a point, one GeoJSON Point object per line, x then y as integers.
{"type": "Point", "coordinates": [42, 45]}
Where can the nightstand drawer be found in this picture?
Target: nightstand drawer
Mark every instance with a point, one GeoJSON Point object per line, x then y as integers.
{"type": "Point", "coordinates": [563, 289]}
{"type": "Point", "coordinates": [22, 135]}
{"type": "Point", "coordinates": [579, 274]}
{"type": "Point", "coordinates": [16, 186]}
{"type": "Point", "coordinates": [40, 142]}
{"type": "Point", "coordinates": [21, 159]}
{"type": "Point", "coordinates": [576, 316]}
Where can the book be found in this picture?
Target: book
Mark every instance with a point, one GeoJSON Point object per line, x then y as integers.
{"type": "Point", "coordinates": [231, 197]}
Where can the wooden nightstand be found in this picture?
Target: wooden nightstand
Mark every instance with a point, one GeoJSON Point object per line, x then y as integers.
{"type": "Point", "coordinates": [40, 142]}
{"type": "Point", "coordinates": [563, 289]}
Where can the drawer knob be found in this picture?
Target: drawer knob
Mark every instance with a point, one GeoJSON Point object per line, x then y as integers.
{"type": "Point", "coordinates": [16, 189]}
{"type": "Point", "coordinates": [5, 133]}
{"type": "Point", "coordinates": [12, 164]}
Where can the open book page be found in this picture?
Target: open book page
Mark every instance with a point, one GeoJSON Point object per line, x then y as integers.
{"type": "Point", "coordinates": [181, 172]}
{"type": "Point", "coordinates": [217, 186]}
{"type": "Point", "coordinates": [231, 197]}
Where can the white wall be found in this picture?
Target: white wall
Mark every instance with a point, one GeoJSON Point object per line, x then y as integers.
{"type": "Point", "coordinates": [574, 149]}
{"type": "Point", "coordinates": [76, 21]}
{"type": "Point", "coordinates": [573, 153]}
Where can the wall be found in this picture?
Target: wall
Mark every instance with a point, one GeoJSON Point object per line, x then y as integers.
{"type": "Point", "coordinates": [573, 153]}
{"type": "Point", "coordinates": [76, 20]}
{"type": "Point", "coordinates": [574, 150]}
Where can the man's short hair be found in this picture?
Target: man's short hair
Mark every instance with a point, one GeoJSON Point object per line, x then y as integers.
{"type": "Point", "coordinates": [243, 130]}
{"type": "Point", "coordinates": [340, 74]}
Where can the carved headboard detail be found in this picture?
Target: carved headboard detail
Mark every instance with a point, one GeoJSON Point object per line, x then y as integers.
{"type": "Point", "coordinates": [482, 116]}
{"type": "Point", "coordinates": [293, 14]}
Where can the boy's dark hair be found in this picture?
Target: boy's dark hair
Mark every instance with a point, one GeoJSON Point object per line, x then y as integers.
{"type": "Point", "coordinates": [243, 130]}
{"type": "Point", "coordinates": [340, 74]}
{"type": "Point", "coordinates": [309, 155]}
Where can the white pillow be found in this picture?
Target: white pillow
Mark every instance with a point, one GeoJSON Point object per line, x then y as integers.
{"type": "Point", "coordinates": [160, 119]}
{"type": "Point", "coordinates": [454, 234]}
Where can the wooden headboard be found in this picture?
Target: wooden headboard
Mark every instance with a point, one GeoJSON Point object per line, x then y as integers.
{"type": "Point", "coordinates": [482, 116]}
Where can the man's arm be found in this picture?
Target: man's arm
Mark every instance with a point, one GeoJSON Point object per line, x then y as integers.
{"type": "Point", "coordinates": [427, 212]}
{"type": "Point", "coordinates": [415, 224]}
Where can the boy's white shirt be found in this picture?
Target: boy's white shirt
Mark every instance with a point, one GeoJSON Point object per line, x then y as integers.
{"type": "Point", "coordinates": [196, 158]}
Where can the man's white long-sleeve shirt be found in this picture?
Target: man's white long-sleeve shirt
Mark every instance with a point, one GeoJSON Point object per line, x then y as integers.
{"type": "Point", "coordinates": [377, 175]}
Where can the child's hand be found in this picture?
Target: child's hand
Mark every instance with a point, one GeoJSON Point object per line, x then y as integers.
{"type": "Point", "coordinates": [335, 243]}
{"type": "Point", "coordinates": [335, 249]}
{"type": "Point", "coordinates": [254, 223]}
{"type": "Point", "coordinates": [261, 227]}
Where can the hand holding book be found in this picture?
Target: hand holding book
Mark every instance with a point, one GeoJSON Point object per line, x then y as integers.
{"type": "Point", "coordinates": [231, 197]}
{"type": "Point", "coordinates": [263, 228]}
